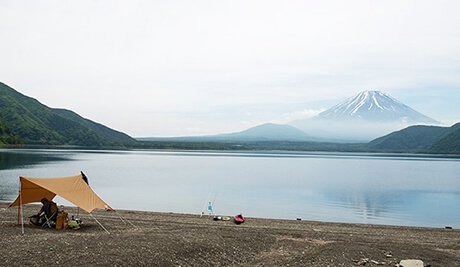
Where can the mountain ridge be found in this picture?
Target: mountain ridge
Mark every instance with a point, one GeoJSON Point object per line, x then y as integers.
{"type": "Point", "coordinates": [262, 132]}
{"type": "Point", "coordinates": [270, 131]}
{"type": "Point", "coordinates": [420, 138]}
{"type": "Point", "coordinates": [37, 124]}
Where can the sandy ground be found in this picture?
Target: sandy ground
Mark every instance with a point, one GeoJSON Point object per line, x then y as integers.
{"type": "Point", "coordinates": [166, 239]}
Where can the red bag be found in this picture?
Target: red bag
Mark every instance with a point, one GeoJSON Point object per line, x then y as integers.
{"type": "Point", "coordinates": [238, 219]}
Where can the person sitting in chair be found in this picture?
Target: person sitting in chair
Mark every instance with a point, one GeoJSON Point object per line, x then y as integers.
{"type": "Point", "coordinates": [48, 211]}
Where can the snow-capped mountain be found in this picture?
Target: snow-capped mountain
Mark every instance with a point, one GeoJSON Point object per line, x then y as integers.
{"type": "Point", "coordinates": [376, 106]}
{"type": "Point", "coordinates": [366, 116]}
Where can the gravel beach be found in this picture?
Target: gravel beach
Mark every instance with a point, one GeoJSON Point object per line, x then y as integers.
{"type": "Point", "coordinates": [167, 239]}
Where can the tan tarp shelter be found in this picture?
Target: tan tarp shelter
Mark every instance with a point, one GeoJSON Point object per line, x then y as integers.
{"type": "Point", "coordinates": [72, 188]}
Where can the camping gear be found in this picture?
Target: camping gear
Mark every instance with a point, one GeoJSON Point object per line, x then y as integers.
{"type": "Point", "coordinates": [49, 211]}
{"type": "Point", "coordinates": [238, 219]}
{"type": "Point", "coordinates": [49, 221]}
{"type": "Point", "coordinates": [73, 188]}
{"type": "Point", "coordinates": [209, 206]}
{"type": "Point", "coordinates": [62, 220]}
{"type": "Point", "coordinates": [74, 224]}
{"type": "Point", "coordinates": [221, 218]}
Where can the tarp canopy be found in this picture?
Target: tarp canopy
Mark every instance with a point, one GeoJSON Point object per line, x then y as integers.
{"type": "Point", "coordinates": [72, 188]}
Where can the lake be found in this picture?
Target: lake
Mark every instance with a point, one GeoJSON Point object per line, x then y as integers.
{"type": "Point", "coordinates": [337, 187]}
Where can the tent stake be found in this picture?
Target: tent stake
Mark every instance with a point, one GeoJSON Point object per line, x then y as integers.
{"type": "Point", "coordinates": [126, 220]}
{"type": "Point", "coordinates": [99, 223]}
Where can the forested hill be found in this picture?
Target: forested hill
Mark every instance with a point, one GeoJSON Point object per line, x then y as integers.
{"type": "Point", "coordinates": [6, 137]}
{"type": "Point", "coordinates": [420, 139]}
{"type": "Point", "coordinates": [25, 120]}
{"type": "Point", "coordinates": [450, 143]}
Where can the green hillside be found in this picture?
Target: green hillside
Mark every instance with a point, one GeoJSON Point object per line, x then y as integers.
{"type": "Point", "coordinates": [6, 137]}
{"type": "Point", "coordinates": [423, 139]}
{"type": "Point", "coordinates": [36, 124]}
{"type": "Point", "coordinates": [450, 143]}
{"type": "Point", "coordinates": [414, 138]}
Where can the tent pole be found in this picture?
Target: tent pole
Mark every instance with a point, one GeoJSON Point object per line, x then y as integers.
{"type": "Point", "coordinates": [20, 204]}
{"type": "Point", "coordinates": [19, 210]}
{"type": "Point", "coordinates": [205, 205]}
{"type": "Point", "coordinates": [213, 204]}
{"type": "Point", "coordinates": [99, 223]}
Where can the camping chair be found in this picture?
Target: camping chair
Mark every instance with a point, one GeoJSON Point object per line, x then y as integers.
{"type": "Point", "coordinates": [48, 221]}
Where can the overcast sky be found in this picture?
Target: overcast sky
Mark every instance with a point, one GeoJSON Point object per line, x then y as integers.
{"type": "Point", "coordinates": [169, 68]}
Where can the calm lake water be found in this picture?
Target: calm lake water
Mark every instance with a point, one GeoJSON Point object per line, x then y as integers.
{"type": "Point", "coordinates": [337, 187]}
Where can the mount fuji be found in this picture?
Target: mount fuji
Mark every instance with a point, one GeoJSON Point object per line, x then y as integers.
{"type": "Point", "coordinates": [376, 106]}
{"type": "Point", "coordinates": [368, 115]}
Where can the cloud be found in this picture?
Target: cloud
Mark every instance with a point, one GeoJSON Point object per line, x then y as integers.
{"type": "Point", "coordinates": [299, 115]}
{"type": "Point", "coordinates": [153, 61]}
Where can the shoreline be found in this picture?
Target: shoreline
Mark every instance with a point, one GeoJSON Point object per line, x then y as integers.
{"type": "Point", "coordinates": [172, 239]}
{"type": "Point", "coordinates": [4, 204]}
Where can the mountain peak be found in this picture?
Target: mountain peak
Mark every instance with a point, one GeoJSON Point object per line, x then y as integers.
{"type": "Point", "coordinates": [371, 94]}
{"type": "Point", "coordinates": [363, 117]}
{"type": "Point", "coordinates": [375, 105]}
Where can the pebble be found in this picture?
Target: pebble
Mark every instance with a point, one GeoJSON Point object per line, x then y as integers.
{"type": "Point", "coordinates": [363, 261]}
{"type": "Point", "coordinates": [411, 263]}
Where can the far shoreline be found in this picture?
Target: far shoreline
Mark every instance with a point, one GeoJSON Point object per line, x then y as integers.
{"type": "Point", "coordinates": [242, 152]}
{"type": "Point", "coordinates": [240, 146]}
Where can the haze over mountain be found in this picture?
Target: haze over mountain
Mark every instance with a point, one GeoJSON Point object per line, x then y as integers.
{"type": "Point", "coordinates": [263, 132]}
{"type": "Point", "coordinates": [361, 118]}
{"type": "Point", "coordinates": [270, 131]}
{"type": "Point", "coordinates": [366, 116]}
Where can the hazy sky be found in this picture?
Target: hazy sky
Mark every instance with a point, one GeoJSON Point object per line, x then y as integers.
{"type": "Point", "coordinates": [167, 68]}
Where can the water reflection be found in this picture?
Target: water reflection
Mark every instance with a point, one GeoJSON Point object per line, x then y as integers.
{"type": "Point", "coordinates": [419, 208]}
{"type": "Point", "coordinates": [368, 205]}
{"type": "Point", "coordinates": [22, 159]}
{"type": "Point", "coordinates": [10, 159]}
